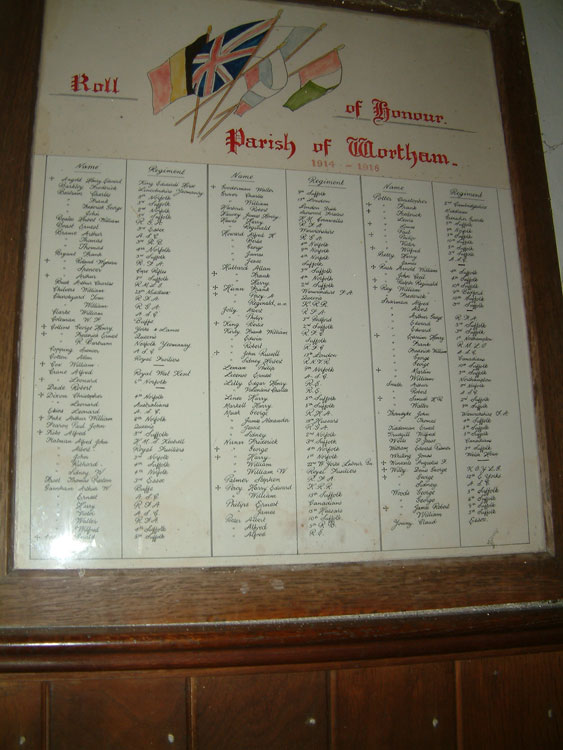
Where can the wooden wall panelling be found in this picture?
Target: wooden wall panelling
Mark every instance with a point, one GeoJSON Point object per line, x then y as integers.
{"type": "Point", "coordinates": [403, 706]}
{"type": "Point", "coordinates": [501, 702]}
{"type": "Point", "coordinates": [21, 714]}
{"type": "Point", "coordinates": [512, 702]}
{"type": "Point", "coordinates": [118, 713]}
{"type": "Point", "coordinates": [253, 712]}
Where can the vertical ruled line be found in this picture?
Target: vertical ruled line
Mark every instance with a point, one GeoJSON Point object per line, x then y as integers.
{"type": "Point", "coordinates": [371, 362]}
{"type": "Point", "coordinates": [292, 367]}
{"type": "Point", "coordinates": [448, 361]}
{"type": "Point", "coordinates": [32, 452]}
{"type": "Point", "coordinates": [125, 214]}
{"type": "Point", "coordinates": [209, 372]}
{"type": "Point", "coordinates": [515, 366]}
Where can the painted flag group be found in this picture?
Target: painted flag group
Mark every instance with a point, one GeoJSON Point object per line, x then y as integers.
{"type": "Point", "coordinates": [269, 76]}
{"type": "Point", "coordinates": [205, 66]}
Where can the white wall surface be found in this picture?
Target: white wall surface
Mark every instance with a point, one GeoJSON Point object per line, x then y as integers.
{"type": "Point", "coordinates": [543, 21]}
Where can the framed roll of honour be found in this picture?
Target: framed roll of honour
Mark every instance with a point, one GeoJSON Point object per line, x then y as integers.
{"type": "Point", "coordinates": [282, 328]}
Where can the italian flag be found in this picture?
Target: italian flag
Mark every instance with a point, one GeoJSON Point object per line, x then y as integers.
{"type": "Point", "coordinates": [316, 79]}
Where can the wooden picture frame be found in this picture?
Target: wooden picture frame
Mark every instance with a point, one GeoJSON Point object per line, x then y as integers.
{"type": "Point", "coordinates": [219, 617]}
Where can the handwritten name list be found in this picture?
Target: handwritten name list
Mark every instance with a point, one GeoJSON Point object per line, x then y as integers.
{"type": "Point", "coordinates": [235, 366]}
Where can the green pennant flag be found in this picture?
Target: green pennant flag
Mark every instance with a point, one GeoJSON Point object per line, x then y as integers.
{"type": "Point", "coordinates": [326, 70]}
{"type": "Point", "coordinates": [307, 93]}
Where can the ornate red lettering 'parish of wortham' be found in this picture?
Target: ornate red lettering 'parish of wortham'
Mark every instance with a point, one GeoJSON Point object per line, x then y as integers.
{"type": "Point", "coordinates": [236, 138]}
{"type": "Point", "coordinates": [365, 148]}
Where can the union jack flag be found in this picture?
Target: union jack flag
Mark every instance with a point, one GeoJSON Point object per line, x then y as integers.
{"type": "Point", "coordinates": [222, 59]}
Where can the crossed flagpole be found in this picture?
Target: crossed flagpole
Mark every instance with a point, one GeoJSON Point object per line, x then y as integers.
{"type": "Point", "coordinates": [229, 86]}
{"type": "Point", "coordinates": [212, 96]}
{"type": "Point", "coordinates": [229, 111]}
{"type": "Point", "coordinates": [252, 69]}
{"type": "Point", "coordinates": [198, 100]}
{"type": "Point", "coordinates": [327, 63]}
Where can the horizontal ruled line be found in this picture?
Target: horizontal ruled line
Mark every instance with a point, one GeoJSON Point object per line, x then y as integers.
{"type": "Point", "coordinates": [98, 96]}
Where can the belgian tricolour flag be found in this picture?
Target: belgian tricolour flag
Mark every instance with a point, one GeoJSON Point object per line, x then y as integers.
{"type": "Point", "coordinates": [173, 79]}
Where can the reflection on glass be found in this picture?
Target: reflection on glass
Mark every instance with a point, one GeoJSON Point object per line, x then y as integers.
{"type": "Point", "coordinates": [66, 547]}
